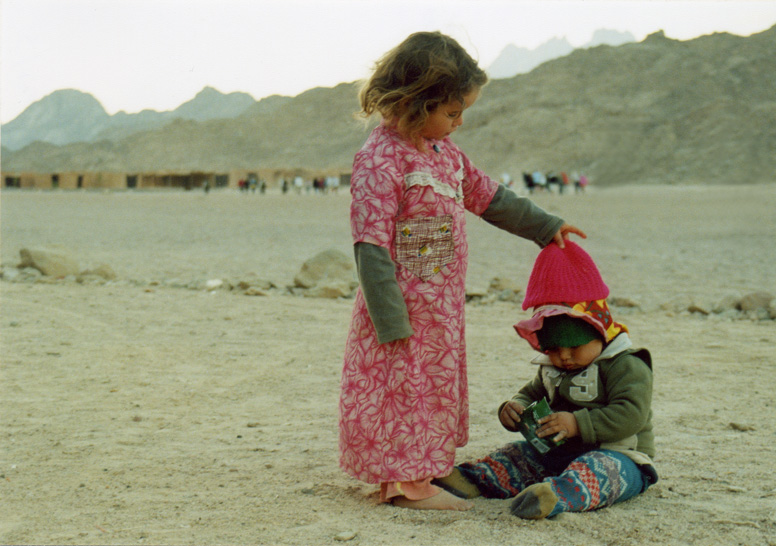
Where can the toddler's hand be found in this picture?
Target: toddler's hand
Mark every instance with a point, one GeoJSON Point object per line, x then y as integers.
{"type": "Point", "coordinates": [510, 415]}
{"type": "Point", "coordinates": [562, 424]}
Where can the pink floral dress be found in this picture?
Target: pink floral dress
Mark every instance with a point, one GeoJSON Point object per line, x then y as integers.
{"type": "Point", "coordinates": [404, 405]}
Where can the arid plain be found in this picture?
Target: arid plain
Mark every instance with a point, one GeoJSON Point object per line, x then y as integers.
{"type": "Point", "coordinates": [152, 410]}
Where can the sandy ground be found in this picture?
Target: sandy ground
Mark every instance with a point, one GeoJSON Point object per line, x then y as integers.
{"type": "Point", "coordinates": [145, 411]}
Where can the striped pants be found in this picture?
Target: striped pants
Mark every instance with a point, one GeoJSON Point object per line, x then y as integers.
{"type": "Point", "coordinates": [592, 480]}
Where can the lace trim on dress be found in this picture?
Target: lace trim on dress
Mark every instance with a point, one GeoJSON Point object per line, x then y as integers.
{"type": "Point", "coordinates": [425, 179]}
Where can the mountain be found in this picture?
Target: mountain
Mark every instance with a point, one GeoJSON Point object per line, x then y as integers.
{"type": "Point", "coordinates": [605, 36]}
{"type": "Point", "coordinates": [515, 60]}
{"type": "Point", "coordinates": [62, 117]}
{"type": "Point", "coordinates": [658, 111]}
{"type": "Point", "coordinates": [212, 104]}
{"type": "Point", "coordinates": [655, 112]}
{"type": "Point", "coordinates": [69, 116]}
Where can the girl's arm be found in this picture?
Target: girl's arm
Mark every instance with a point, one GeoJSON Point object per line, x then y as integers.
{"type": "Point", "coordinates": [504, 209]}
{"type": "Point", "coordinates": [520, 216]}
{"type": "Point", "coordinates": [376, 188]}
{"type": "Point", "coordinates": [384, 300]}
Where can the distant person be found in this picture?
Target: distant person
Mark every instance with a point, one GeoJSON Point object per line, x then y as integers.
{"type": "Point", "coordinates": [539, 180]}
{"type": "Point", "coordinates": [599, 390]}
{"type": "Point", "coordinates": [298, 184]}
{"type": "Point", "coordinates": [528, 181]}
{"type": "Point", "coordinates": [583, 181]}
{"type": "Point", "coordinates": [564, 180]}
{"type": "Point", "coordinates": [404, 399]}
{"type": "Point", "coordinates": [553, 178]}
{"type": "Point", "coordinates": [206, 186]}
{"type": "Point", "coordinates": [575, 179]}
{"type": "Point", "coordinates": [333, 183]}
{"type": "Point", "coordinates": [284, 186]}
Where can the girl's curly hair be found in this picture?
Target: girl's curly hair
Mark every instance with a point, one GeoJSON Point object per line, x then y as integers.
{"type": "Point", "coordinates": [410, 81]}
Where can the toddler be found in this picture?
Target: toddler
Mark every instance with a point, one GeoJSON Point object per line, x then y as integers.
{"type": "Point", "coordinates": [599, 389]}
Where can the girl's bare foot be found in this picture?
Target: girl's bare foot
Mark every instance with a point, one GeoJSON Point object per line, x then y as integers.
{"type": "Point", "coordinates": [441, 501]}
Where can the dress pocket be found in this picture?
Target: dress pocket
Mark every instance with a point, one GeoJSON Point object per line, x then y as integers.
{"type": "Point", "coordinates": [425, 245]}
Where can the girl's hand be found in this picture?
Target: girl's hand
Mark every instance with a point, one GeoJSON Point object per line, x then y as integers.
{"type": "Point", "coordinates": [510, 415]}
{"type": "Point", "coordinates": [564, 232]}
{"type": "Point", "coordinates": [562, 424]}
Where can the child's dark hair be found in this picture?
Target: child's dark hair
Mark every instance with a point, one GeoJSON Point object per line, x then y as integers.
{"type": "Point", "coordinates": [410, 81]}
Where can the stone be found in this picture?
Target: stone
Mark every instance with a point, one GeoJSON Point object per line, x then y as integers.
{"type": "Point", "coordinates": [678, 304]}
{"type": "Point", "coordinates": [476, 291]}
{"type": "Point", "coordinates": [696, 308]}
{"type": "Point", "coordinates": [499, 284]}
{"type": "Point", "coordinates": [330, 267]}
{"type": "Point", "coordinates": [506, 290]}
{"type": "Point", "coordinates": [331, 290]}
{"type": "Point", "coordinates": [88, 278]}
{"type": "Point", "coordinates": [756, 300]}
{"type": "Point", "coordinates": [30, 274]}
{"type": "Point", "coordinates": [255, 292]}
{"type": "Point", "coordinates": [759, 314]}
{"type": "Point", "coordinates": [102, 271]}
{"type": "Point", "coordinates": [251, 281]}
{"type": "Point", "coordinates": [741, 427]}
{"type": "Point", "coordinates": [619, 301]}
{"type": "Point", "coordinates": [51, 261]}
{"type": "Point", "coordinates": [214, 284]}
{"type": "Point", "coordinates": [728, 302]}
{"type": "Point", "coordinates": [11, 274]}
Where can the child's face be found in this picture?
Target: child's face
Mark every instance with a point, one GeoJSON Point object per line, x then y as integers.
{"type": "Point", "coordinates": [575, 358]}
{"type": "Point", "coordinates": [447, 117]}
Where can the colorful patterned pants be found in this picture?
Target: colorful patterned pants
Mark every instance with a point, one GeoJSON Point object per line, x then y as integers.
{"type": "Point", "coordinates": [592, 480]}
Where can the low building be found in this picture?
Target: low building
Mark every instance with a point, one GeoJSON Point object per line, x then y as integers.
{"type": "Point", "coordinates": [187, 180]}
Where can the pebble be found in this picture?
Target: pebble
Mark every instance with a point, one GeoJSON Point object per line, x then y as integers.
{"type": "Point", "coordinates": [345, 536]}
{"type": "Point", "coordinates": [741, 427]}
{"type": "Point", "coordinates": [213, 284]}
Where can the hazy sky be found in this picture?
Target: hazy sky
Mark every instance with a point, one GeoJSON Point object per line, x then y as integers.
{"type": "Point", "coordinates": [136, 54]}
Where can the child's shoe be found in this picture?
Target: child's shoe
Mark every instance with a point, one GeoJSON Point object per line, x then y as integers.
{"type": "Point", "coordinates": [535, 501]}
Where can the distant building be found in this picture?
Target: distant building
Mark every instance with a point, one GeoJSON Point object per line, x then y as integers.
{"type": "Point", "coordinates": [186, 180]}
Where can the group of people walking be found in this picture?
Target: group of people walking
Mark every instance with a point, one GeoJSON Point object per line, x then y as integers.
{"type": "Point", "coordinates": [537, 180]}
{"type": "Point", "coordinates": [319, 184]}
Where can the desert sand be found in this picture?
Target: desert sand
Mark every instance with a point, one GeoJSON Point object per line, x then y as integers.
{"type": "Point", "coordinates": [151, 410]}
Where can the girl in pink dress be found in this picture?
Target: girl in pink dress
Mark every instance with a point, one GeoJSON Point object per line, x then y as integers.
{"type": "Point", "coordinates": [404, 395]}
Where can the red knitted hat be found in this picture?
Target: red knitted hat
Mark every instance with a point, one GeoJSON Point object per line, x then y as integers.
{"type": "Point", "coordinates": [564, 275]}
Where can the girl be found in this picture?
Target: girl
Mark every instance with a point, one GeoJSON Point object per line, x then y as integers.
{"type": "Point", "coordinates": [404, 397]}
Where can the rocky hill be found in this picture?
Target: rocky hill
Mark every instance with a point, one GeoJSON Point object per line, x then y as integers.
{"type": "Point", "coordinates": [68, 115]}
{"type": "Point", "coordinates": [658, 111]}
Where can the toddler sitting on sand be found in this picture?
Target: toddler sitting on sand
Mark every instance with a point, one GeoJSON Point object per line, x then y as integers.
{"type": "Point", "coordinates": [599, 389]}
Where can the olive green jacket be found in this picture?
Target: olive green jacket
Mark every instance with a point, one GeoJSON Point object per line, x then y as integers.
{"type": "Point", "coordinates": [611, 399]}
